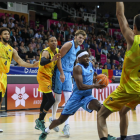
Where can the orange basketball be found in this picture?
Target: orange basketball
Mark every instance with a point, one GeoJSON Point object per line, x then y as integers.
{"type": "Point", "coordinates": [102, 79]}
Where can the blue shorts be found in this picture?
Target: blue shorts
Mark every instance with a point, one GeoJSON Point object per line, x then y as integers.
{"type": "Point", "coordinates": [75, 102]}
{"type": "Point", "coordinates": [58, 86]}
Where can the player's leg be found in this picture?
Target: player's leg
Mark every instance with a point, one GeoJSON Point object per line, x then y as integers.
{"type": "Point", "coordinates": [123, 122]}
{"type": "Point", "coordinates": [50, 101]}
{"type": "Point", "coordinates": [67, 89]}
{"type": "Point", "coordinates": [1, 99]}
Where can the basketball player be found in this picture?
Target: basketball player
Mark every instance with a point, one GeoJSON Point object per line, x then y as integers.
{"type": "Point", "coordinates": [127, 95]}
{"type": "Point", "coordinates": [84, 77]}
{"type": "Point", "coordinates": [6, 55]}
{"type": "Point", "coordinates": [48, 61]}
{"type": "Point", "coordinates": [68, 57]}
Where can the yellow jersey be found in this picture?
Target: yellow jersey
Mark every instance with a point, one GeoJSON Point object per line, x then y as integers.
{"type": "Point", "coordinates": [6, 53]}
{"type": "Point", "coordinates": [130, 78]}
{"type": "Point", "coordinates": [48, 69]}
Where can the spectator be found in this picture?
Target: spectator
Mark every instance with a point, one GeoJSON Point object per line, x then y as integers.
{"type": "Point", "coordinates": [39, 42]}
{"type": "Point", "coordinates": [105, 66]}
{"type": "Point", "coordinates": [87, 22]}
{"type": "Point", "coordinates": [113, 67]}
{"type": "Point", "coordinates": [43, 46]}
{"type": "Point", "coordinates": [119, 57]}
{"type": "Point", "coordinates": [113, 56]}
{"type": "Point", "coordinates": [119, 67]}
{"type": "Point", "coordinates": [108, 46]}
{"type": "Point", "coordinates": [37, 58]}
{"type": "Point", "coordinates": [63, 41]}
{"type": "Point", "coordinates": [96, 66]}
{"type": "Point", "coordinates": [25, 36]}
{"type": "Point", "coordinates": [46, 44]}
{"type": "Point", "coordinates": [11, 17]}
{"type": "Point", "coordinates": [105, 51]}
{"type": "Point", "coordinates": [4, 23]}
{"type": "Point", "coordinates": [113, 79]}
{"type": "Point", "coordinates": [1, 24]}
{"type": "Point", "coordinates": [106, 25]}
{"type": "Point", "coordinates": [31, 34]}
{"type": "Point", "coordinates": [28, 61]}
{"type": "Point", "coordinates": [100, 66]}
{"type": "Point", "coordinates": [114, 63]}
{"type": "Point", "coordinates": [38, 35]}
{"type": "Point", "coordinates": [119, 46]}
{"type": "Point", "coordinates": [14, 37]}
{"type": "Point", "coordinates": [33, 44]}
{"type": "Point", "coordinates": [11, 23]}
{"type": "Point", "coordinates": [23, 50]}
{"type": "Point", "coordinates": [30, 55]}
{"type": "Point", "coordinates": [91, 58]}
{"type": "Point", "coordinates": [15, 44]}
{"type": "Point", "coordinates": [116, 49]}
{"type": "Point", "coordinates": [108, 64]}
{"type": "Point", "coordinates": [38, 52]}
{"type": "Point", "coordinates": [59, 42]}
{"type": "Point", "coordinates": [37, 48]}
{"type": "Point", "coordinates": [86, 46]}
{"type": "Point", "coordinates": [22, 19]}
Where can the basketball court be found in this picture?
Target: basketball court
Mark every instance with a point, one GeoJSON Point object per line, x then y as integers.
{"type": "Point", "coordinates": [19, 125]}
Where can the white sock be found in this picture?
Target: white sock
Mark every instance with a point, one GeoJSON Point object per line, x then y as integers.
{"type": "Point", "coordinates": [47, 130]}
{"type": "Point", "coordinates": [67, 96]}
{"type": "Point", "coordinates": [55, 105]}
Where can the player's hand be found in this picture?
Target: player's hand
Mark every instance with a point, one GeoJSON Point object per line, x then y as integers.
{"type": "Point", "coordinates": [99, 86]}
{"type": "Point", "coordinates": [62, 77]}
{"type": "Point", "coordinates": [56, 57]}
{"type": "Point", "coordinates": [36, 64]}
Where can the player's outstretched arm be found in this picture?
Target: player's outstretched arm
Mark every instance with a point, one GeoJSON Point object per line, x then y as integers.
{"type": "Point", "coordinates": [125, 29]}
{"type": "Point", "coordinates": [77, 74]}
{"type": "Point", "coordinates": [21, 62]}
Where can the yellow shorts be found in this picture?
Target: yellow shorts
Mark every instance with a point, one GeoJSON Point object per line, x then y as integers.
{"type": "Point", "coordinates": [45, 83]}
{"type": "Point", "coordinates": [119, 98]}
{"type": "Point", "coordinates": [3, 83]}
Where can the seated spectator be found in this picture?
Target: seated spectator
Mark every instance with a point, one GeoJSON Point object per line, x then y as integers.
{"type": "Point", "coordinates": [11, 17]}
{"type": "Point", "coordinates": [90, 56]}
{"type": "Point", "coordinates": [38, 35]}
{"type": "Point", "coordinates": [23, 19]}
{"type": "Point", "coordinates": [39, 42]}
{"type": "Point", "coordinates": [105, 51]}
{"type": "Point", "coordinates": [99, 48]}
{"type": "Point", "coordinates": [46, 44]}
{"type": "Point", "coordinates": [11, 23]}
{"type": "Point", "coordinates": [108, 64]}
{"type": "Point", "coordinates": [37, 48]}
{"type": "Point", "coordinates": [23, 50]}
{"type": "Point", "coordinates": [100, 66]}
{"type": "Point", "coordinates": [113, 79]}
{"type": "Point", "coordinates": [85, 45]}
{"type": "Point", "coordinates": [4, 23]}
{"type": "Point", "coordinates": [105, 66]}
{"type": "Point", "coordinates": [31, 34]}
{"type": "Point", "coordinates": [119, 46]}
{"type": "Point", "coordinates": [113, 67]}
{"type": "Point", "coordinates": [25, 36]}
{"type": "Point", "coordinates": [119, 67]}
{"type": "Point", "coordinates": [33, 44]}
{"type": "Point", "coordinates": [96, 66]}
{"type": "Point", "coordinates": [38, 52]}
{"type": "Point", "coordinates": [14, 37]}
{"type": "Point", "coordinates": [108, 45]}
{"type": "Point", "coordinates": [37, 58]}
{"type": "Point", "coordinates": [114, 63]}
{"type": "Point", "coordinates": [30, 55]}
{"type": "Point", "coordinates": [15, 44]}
{"type": "Point", "coordinates": [119, 57]}
{"type": "Point", "coordinates": [43, 46]}
{"type": "Point", "coordinates": [113, 56]}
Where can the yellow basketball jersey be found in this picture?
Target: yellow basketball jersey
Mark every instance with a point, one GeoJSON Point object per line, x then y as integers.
{"type": "Point", "coordinates": [48, 69]}
{"type": "Point", "coordinates": [130, 78]}
{"type": "Point", "coordinates": [6, 53]}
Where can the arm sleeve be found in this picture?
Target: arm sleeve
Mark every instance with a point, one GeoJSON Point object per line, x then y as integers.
{"type": "Point", "coordinates": [44, 61]}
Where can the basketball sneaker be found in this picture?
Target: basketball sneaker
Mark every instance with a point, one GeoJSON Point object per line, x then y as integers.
{"type": "Point", "coordinates": [56, 129]}
{"type": "Point", "coordinates": [1, 130]}
{"type": "Point", "coordinates": [43, 136]}
{"type": "Point", "coordinates": [36, 128]}
{"type": "Point", "coordinates": [65, 130]}
{"type": "Point", "coordinates": [111, 137]}
{"type": "Point", "coordinates": [40, 125]}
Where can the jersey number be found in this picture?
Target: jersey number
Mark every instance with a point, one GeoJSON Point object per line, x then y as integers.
{"type": "Point", "coordinates": [5, 63]}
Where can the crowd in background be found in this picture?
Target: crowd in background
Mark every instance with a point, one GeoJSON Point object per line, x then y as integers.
{"type": "Point", "coordinates": [29, 42]}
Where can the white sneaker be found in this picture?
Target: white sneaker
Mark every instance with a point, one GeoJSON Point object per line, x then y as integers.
{"type": "Point", "coordinates": [1, 130]}
{"type": "Point", "coordinates": [65, 130]}
{"type": "Point", "coordinates": [56, 129]}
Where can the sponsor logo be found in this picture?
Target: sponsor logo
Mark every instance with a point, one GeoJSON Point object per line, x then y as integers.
{"type": "Point", "coordinates": [20, 96]}
{"type": "Point", "coordinates": [28, 70]}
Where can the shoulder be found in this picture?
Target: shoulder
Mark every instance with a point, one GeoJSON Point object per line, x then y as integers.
{"type": "Point", "coordinates": [77, 69]}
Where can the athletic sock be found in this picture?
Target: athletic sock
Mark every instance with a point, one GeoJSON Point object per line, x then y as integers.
{"type": "Point", "coordinates": [42, 116]}
{"type": "Point", "coordinates": [104, 138]}
{"type": "Point", "coordinates": [123, 137]}
{"type": "Point", "coordinates": [47, 130]}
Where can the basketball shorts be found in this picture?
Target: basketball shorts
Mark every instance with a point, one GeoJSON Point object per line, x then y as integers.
{"type": "Point", "coordinates": [3, 83]}
{"type": "Point", "coordinates": [119, 98]}
{"type": "Point", "coordinates": [75, 102]}
{"type": "Point", "coordinates": [58, 86]}
{"type": "Point", "coordinates": [45, 83]}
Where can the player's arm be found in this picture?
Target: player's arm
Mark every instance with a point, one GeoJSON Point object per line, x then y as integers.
{"type": "Point", "coordinates": [21, 62]}
{"type": "Point", "coordinates": [59, 65]}
{"type": "Point", "coordinates": [125, 29]}
{"type": "Point", "coordinates": [77, 74]}
{"type": "Point", "coordinates": [45, 58]}
{"type": "Point", "coordinates": [65, 48]}
{"type": "Point", "coordinates": [94, 77]}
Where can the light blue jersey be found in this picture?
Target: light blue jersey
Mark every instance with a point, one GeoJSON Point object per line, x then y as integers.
{"type": "Point", "coordinates": [87, 74]}
{"type": "Point", "coordinates": [81, 98]}
{"type": "Point", "coordinates": [67, 65]}
{"type": "Point", "coordinates": [69, 58]}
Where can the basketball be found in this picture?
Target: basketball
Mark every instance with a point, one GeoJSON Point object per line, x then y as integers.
{"type": "Point", "coordinates": [102, 79]}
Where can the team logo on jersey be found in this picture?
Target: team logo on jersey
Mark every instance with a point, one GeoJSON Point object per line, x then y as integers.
{"type": "Point", "coordinates": [49, 87]}
{"type": "Point", "coordinates": [10, 50]}
{"type": "Point", "coordinates": [20, 96]}
{"type": "Point", "coordinates": [111, 98]}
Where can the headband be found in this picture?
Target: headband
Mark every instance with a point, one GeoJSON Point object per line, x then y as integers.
{"type": "Point", "coordinates": [81, 54]}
